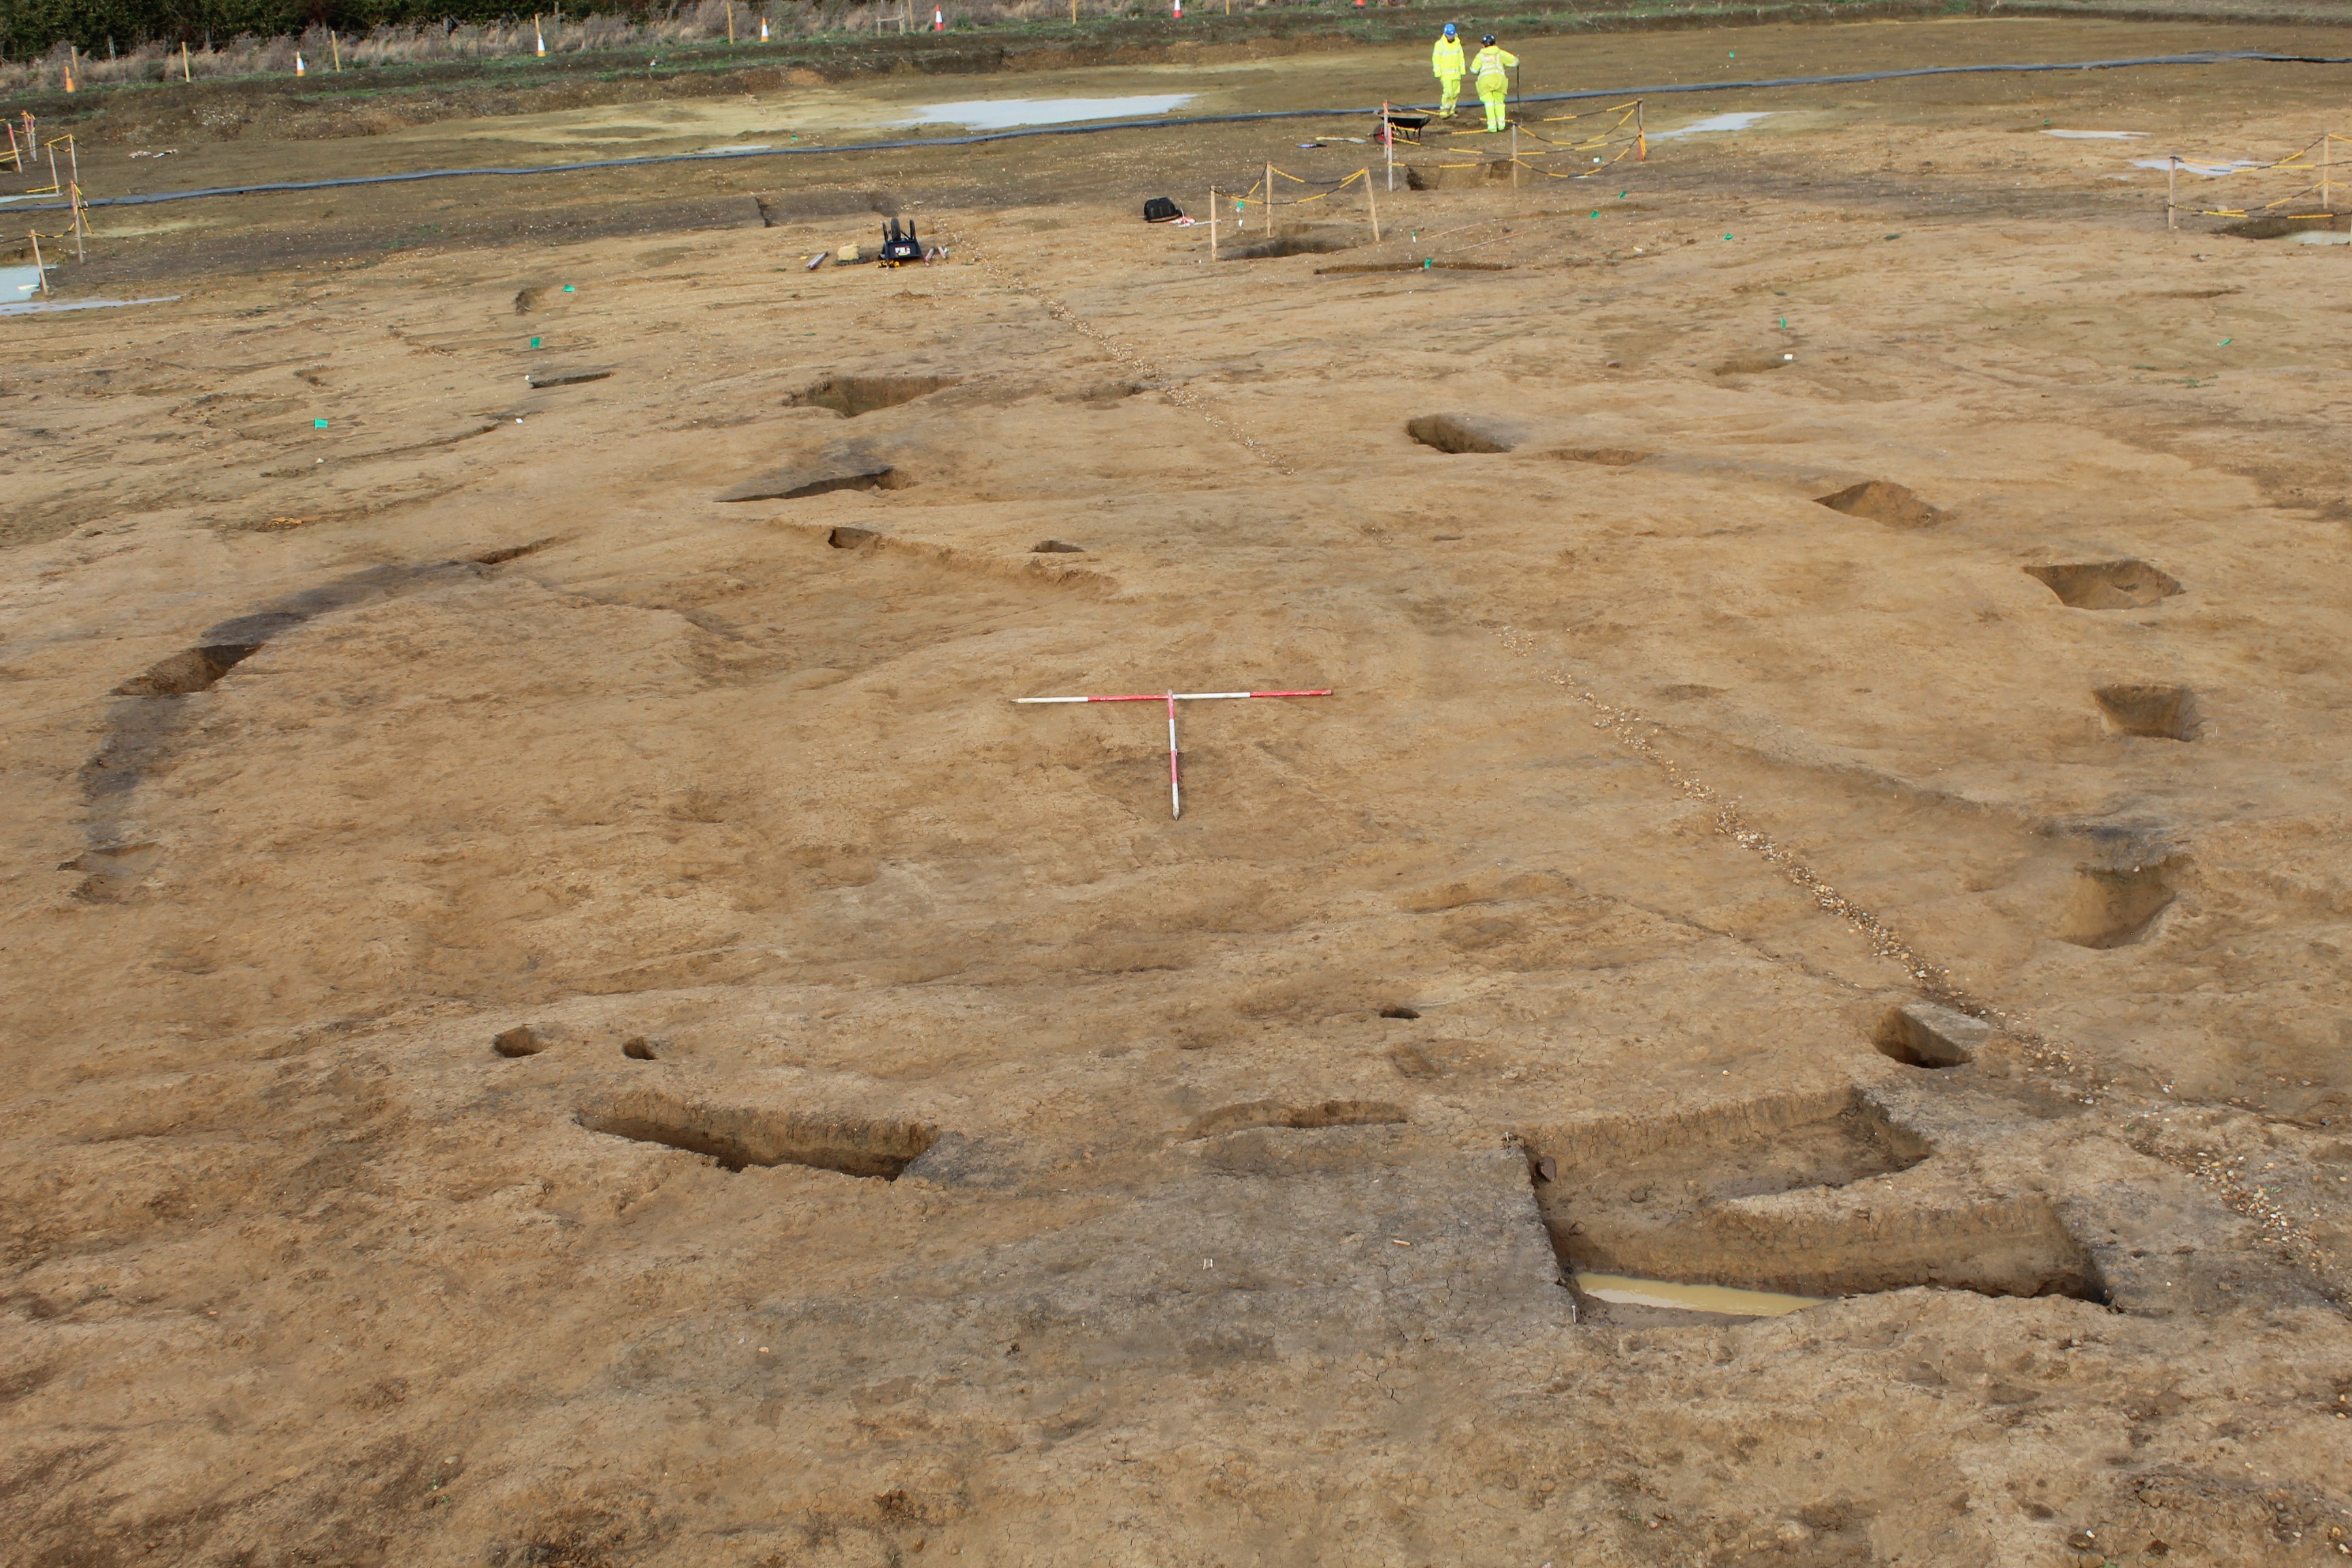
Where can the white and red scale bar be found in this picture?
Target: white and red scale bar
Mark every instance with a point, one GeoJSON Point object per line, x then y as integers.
{"type": "Point", "coordinates": [1175, 777]}
{"type": "Point", "coordinates": [1176, 696]}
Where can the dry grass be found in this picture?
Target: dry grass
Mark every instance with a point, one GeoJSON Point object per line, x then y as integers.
{"type": "Point", "coordinates": [694, 22]}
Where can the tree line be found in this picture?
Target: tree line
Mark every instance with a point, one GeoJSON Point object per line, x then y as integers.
{"type": "Point", "coordinates": [30, 28]}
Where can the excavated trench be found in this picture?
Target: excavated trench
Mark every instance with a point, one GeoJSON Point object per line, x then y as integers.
{"type": "Point", "coordinates": [1753, 1196]}
{"type": "Point", "coordinates": [738, 1137]}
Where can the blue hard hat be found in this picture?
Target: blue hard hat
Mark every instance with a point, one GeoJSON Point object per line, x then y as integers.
{"type": "Point", "coordinates": [1449, 29]}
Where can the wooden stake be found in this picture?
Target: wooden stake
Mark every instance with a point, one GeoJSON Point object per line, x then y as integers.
{"type": "Point", "coordinates": [1372, 201]}
{"type": "Point", "coordinates": [1074, 13]}
{"type": "Point", "coordinates": [16, 158]}
{"type": "Point", "coordinates": [2326, 200]}
{"type": "Point", "coordinates": [1388, 143]}
{"type": "Point", "coordinates": [335, 46]}
{"type": "Point", "coordinates": [1213, 217]}
{"type": "Point", "coordinates": [1269, 201]}
{"type": "Point", "coordinates": [73, 157]}
{"type": "Point", "coordinates": [185, 74]}
{"type": "Point", "coordinates": [38, 271]}
{"type": "Point", "coordinates": [2171, 191]}
{"type": "Point", "coordinates": [730, 21]}
{"type": "Point", "coordinates": [75, 200]}
{"type": "Point", "coordinates": [1515, 155]}
{"type": "Point", "coordinates": [1641, 138]}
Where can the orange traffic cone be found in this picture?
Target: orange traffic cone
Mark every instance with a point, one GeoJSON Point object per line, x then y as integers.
{"type": "Point", "coordinates": [298, 64]}
{"type": "Point", "coordinates": [938, 20]}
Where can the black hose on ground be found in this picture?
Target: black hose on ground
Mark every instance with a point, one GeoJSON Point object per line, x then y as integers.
{"type": "Point", "coordinates": [2210, 57]}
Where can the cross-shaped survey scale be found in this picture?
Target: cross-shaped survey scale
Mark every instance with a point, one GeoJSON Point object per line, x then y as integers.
{"type": "Point", "coordinates": [1175, 777]}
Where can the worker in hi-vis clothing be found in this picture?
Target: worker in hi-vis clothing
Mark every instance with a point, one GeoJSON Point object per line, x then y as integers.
{"type": "Point", "coordinates": [1493, 66]}
{"type": "Point", "coordinates": [1446, 64]}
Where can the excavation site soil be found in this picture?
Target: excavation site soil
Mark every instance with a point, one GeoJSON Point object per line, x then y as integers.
{"type": "Point", "coordinates": [1788, 1007]}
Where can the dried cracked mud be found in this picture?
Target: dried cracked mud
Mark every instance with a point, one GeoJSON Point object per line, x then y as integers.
{"type": "Point", "coordinates": [560, 1014]}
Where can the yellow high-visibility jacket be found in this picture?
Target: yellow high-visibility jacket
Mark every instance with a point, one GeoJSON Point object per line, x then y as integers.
{"type": "Point", "coordinates": [1445, 60]}
{"type": "Point", "coordinates": [1491, 61]}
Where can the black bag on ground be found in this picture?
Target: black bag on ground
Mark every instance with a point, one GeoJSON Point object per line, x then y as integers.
{"type": "Point", "coordinates": [1159, 209]}
{"type": "Point", "coordinates": [899, 244]}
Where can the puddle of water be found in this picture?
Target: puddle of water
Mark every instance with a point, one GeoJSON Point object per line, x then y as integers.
{"type": "Point", "coordinates": [43, 307]}
{"type": "Point", "coordinates": [1740, 121]}
{"type": "Point", "coordinates": [998, 113]}
{"type": "Point", "coordinates": [19, 283]}
{"type": "Point", "coordinates": [2096, 135]}
{"type": "Point", "coordinates": [2320, 236]}
{"type": "Point", "coordinates": [1629, 1292]}
{"type": "Point", "coordinates": [2190, 167]}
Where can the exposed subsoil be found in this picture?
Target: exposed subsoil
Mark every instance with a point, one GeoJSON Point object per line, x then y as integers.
{"type": "Point", "coordinates": [559, 1013]}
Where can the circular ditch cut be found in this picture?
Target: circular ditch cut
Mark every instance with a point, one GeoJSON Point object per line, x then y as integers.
{"type": "Point", "coordinates": [2124, 585]}
{"type": "Point", "coordinates": [1282, 244]}
{"type": "Point", "coordinates": [738, 1137]}
{"type": "Point", "coordinates": [188, 671]}
{"type": "Point", "coordinates": [1459, 433]}
{"type": "Point", "coordinates": [846, 470]}
{"type": "Point", "coordinates": [851, 395]}
{"type": "Point", "coordinates": [1755, 364]}
{"type": "Point", "coordinates": [2115, 908]}
{"type": "Point", "coordinates": [1274, 1113]}
{"type": "Point", "coordinates": [1400, 1011]}
{"type": "Point", "coordinates": [1661, 1201]}
{"type": "Point", "coordinates": [2291, 225]}
{"type": "Point", "coordinates": [1057, 547]}
{"type": "Point", "coordinates": [2159, 712]}
{"type": "Point", "coordinates": [1884, 501]}
{"type": "Point", "coordinates": [1923, 1035]}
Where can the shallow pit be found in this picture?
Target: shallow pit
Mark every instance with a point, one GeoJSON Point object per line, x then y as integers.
{"type": "Point", "coordinates": [1461, 433]}
{"type": "Point", "coordinates": [189, 670]}
{"type": "Point", "coordinates": [848, 538]}
{"type": "Point", "coordinates": [851, 395]}
{"type": "Point", "coordinates": [1882, 500]}
{"type": "Point", "coordinates": [523, 1040]}
{"type": "Point", "coordinates": [1399, 1011]}
{"type": "Point", "coordinates": [1057, 547]}
{"type": "Point", "coordinates": [2124, 584]}
{"type": "Point", "coordinates": [2111, 908]}
{"type": "Point", "coordinates": [741, 1136]}
{"type": "Point", "coordinates": [2159, 712]}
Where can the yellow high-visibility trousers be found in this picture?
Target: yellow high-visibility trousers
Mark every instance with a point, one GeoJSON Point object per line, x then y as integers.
{"type": "Point", "coordinates": [1492, 92]}
{"type": "Point", "coordinates": [1449, 93]}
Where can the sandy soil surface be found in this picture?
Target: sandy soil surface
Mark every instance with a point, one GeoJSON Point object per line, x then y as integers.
{"type": "Point", "coordinates": [557, 1018]}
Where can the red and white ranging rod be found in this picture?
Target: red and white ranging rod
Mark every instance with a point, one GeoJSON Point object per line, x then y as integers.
{"type": "Point", "coordinates": [1175, 779]}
